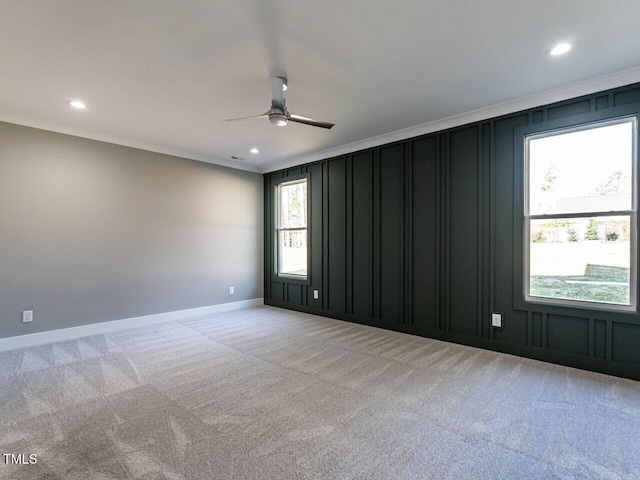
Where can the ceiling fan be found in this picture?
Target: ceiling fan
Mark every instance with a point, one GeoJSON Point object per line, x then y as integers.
{"type": "Point", "coordinates": [278, 114]}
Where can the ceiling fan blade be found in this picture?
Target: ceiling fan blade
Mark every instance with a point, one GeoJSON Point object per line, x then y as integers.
{"type": "Point", "coordinates": [310, 121]}
{"type": "Point", "coordinates": [264, 115]}
{"type": "Point", "coordinates": [277, 97]}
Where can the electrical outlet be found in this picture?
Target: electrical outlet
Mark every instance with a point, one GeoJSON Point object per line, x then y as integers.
{"type": "Point", "coordinates": [315, 295]}
{"type": "Point", "coordinates": [232, 290]}
{"type": "Point", "coordinates": [27, 316]}
{"type": "Point", "coordinates": [496, 320]}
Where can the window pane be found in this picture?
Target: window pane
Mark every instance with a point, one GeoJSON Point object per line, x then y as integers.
{"type": "Point", "coordinates": [293, 205]}
{"type": "Point", "coordinates": [293, 252]}
{"type": "Point", "coordinates": [584, 259]}
{"type": "Point", "coordinates": [582, 171]}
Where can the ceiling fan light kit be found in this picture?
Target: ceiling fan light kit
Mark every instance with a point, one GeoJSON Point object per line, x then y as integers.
{"type": "Point", "coordinates": [278, 114]}
{"type": "Point", "coordinates": [278, 119]}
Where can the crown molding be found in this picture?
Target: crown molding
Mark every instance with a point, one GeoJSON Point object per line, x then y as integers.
{"type": "Point", "coordinates": [587, 87]}
{"type": "Point", "coordinates": [51, 127]}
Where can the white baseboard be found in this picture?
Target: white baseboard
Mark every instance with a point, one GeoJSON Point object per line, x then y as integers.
{"type": "Point", "coordinates": [72, 333]}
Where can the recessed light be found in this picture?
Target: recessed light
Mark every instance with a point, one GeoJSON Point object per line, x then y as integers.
{"type": "Point", "coordinates": [77, 104]}
{"type": "Point", "coordinates": [255, 150]}
{"type": "Point", "coordinates": [560, 49]}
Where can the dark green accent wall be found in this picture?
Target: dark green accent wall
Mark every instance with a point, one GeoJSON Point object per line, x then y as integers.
{"type": "Point", "coordinates": [424, 236]}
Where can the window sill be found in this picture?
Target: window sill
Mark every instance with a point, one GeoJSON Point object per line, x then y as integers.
{"type": "Point", "coordinates": [581, 305]}
{"type": "Point", "coordinates": [292, 279]}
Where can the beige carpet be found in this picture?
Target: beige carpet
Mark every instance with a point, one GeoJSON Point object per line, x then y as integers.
{"type": "Point", "coordinates": [268, 393]}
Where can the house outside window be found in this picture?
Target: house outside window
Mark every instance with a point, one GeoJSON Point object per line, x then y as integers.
{"type": "Point", "coordinates": [580, 216]}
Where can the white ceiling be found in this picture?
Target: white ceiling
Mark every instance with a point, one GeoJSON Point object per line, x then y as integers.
{"type": "Point", "coordinates": [162, 75]}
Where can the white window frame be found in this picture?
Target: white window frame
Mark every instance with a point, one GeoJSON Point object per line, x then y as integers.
{"type": "Point", "coordinates": [632, 214]}
{"type": "Point", "coordinates": [279, 228]}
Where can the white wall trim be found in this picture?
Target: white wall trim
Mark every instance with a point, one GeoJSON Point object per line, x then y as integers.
{"type": "Point", "coordinates": [73, 333]}
{"type": "Point", "coordinates": [619, 79]}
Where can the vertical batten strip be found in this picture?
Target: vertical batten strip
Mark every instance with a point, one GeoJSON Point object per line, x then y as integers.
{"type": "Point", "coordinates": [372, 238]}
{"type": "Point", "coordinates": [408, 219]}
{"type": "Point", "coordinates": [447, 230]}
{"type": "Point", "coordinates": [609, 340]}
{"type": "Point", "coordinates": [377, 233]}
{"type": "Point", "coordinates": [325, 235]}
{"type": "Point", "coordinates": [438, 262]}
{"type": "Point", "coordinates": [349, 233]}
{"type": "Point", "coordinates": [479, 219]}
{"type": "Point", "coordinates": [592, 339]}
{"type": "Point", "coordinates": [486, 246]}
{"type": "Point", "coordinates": [492, 230]}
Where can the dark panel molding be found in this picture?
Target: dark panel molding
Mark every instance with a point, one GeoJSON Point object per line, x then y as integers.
{"type": "Point", "coordinates": [362, 235]}
{"type": "Point", "coordinates": [424, 236]}
{"type": "Point", "coordinates": [391, 233]}
{"type": "Point", "coordinates": [337, 234]}
{"type": "Point", "coordinates": [463, 226]}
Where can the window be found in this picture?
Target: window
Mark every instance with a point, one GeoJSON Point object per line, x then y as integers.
{"type": "Point", "coordinates": [580, 216]}
{"type": "Point", "coordinates": [291, 229]}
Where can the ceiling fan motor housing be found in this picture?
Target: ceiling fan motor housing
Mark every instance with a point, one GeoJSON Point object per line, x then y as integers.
{"type": "Point", "coordinates": [278, 119]}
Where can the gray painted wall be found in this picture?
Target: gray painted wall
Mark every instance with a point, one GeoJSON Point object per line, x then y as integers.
{"type": "Point", "coordinates": [92, 232]}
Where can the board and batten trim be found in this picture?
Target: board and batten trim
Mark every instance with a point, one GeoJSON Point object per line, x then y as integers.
{"type": "Point", "coordinates": [441, 251]}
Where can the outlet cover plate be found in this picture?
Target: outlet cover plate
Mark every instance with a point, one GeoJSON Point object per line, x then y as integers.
{"type": "Point", "coordinates": [27, 316]}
